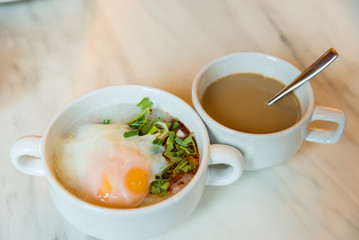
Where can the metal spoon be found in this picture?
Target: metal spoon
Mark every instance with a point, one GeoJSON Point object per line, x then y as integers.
{"type": "Point", "coordinates": [327, 58]}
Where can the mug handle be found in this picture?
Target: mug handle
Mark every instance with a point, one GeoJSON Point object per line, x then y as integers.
{"type": "Point", "coordinates": [25, 155]}
{"type": "Point", "coordinates": [226, 165]}
{"type": "Point", "coordinates": [321, 135]}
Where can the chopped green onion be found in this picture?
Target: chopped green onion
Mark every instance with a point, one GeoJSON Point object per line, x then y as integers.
{"type": "Point", "coordinates": [130, 133]}
{"type": "Point", "coordinates": [136, 124]}
{"type": "Point", "coordinates": [188, 139]}
{"type": "Point", "coordinates": [179, 153]}
{"type": "Point", "coordinates": [153, 130]}
{"type": "Point", "coordinates": [180, 142]}
{"type": "Point", "coordinates": [157, 141]}
{"type": "Point", "coordinates": [183, 164]}
{"type": "Point", "coordinates": [186, 142]}
{"type": "Point", "coordinates": [165, 185]}
{"type": "Point", "coordinates": [187, 168]}
{"type": "Point", "coordinates": [173, 158]}
{"type": "Point", "coordinates": [185, 149]}
{"type": "Point", "coordinates": [170, 141]}
{"type": "Point", "coordinates": [167, 168]}
{"type": "Point", "coordinates": [145, 129]}
{"type": "Point", "coordinates": [160, 187]}
{"type": "Point", "coordinates": [175, 125]}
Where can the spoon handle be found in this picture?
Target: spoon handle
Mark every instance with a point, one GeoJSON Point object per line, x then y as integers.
{"type": "Point", "coordinates": [327, 58]}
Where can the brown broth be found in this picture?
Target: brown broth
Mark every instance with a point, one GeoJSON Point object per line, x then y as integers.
{"type": "Point", "coordinates": [238, 101]}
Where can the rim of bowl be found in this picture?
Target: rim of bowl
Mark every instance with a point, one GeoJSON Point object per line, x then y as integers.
{"type": "Point", "coordinates": [204, 158]}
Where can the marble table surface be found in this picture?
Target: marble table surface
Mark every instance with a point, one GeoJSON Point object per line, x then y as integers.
{"type": "Point", "coordinates": [54, 50]}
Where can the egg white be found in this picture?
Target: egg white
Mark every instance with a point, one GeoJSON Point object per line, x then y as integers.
{"type": "Point", "coordinates": [75, 153]}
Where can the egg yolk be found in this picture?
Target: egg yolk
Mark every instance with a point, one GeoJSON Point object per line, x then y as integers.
{"type": "Point", "coordinates": [137, 180]}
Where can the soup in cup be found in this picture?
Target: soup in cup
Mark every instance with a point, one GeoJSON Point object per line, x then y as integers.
{"type": "Point", "coordinates": [263, 147]}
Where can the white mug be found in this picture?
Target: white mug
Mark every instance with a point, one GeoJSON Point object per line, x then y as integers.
{"type": "Point", "coordinates": [266, 150]}
{"type": "Point", "coordinates": [33, 155]}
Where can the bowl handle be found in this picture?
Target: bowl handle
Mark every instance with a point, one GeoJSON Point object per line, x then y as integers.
{"type": "Point", "coordinates": [25, 155]}
{"type": "Point", "coordinates": [226, 165]}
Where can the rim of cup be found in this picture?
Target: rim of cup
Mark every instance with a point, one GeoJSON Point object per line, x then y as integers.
{"type": "Point", "coordinates": [200, 110]}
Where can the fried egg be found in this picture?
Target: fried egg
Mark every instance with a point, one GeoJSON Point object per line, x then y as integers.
{"type": "Point", "coordinates": [102, 167]}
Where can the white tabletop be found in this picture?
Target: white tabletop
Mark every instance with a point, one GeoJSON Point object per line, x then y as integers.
{"type": "Point", "coordinates": [53, 51]}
